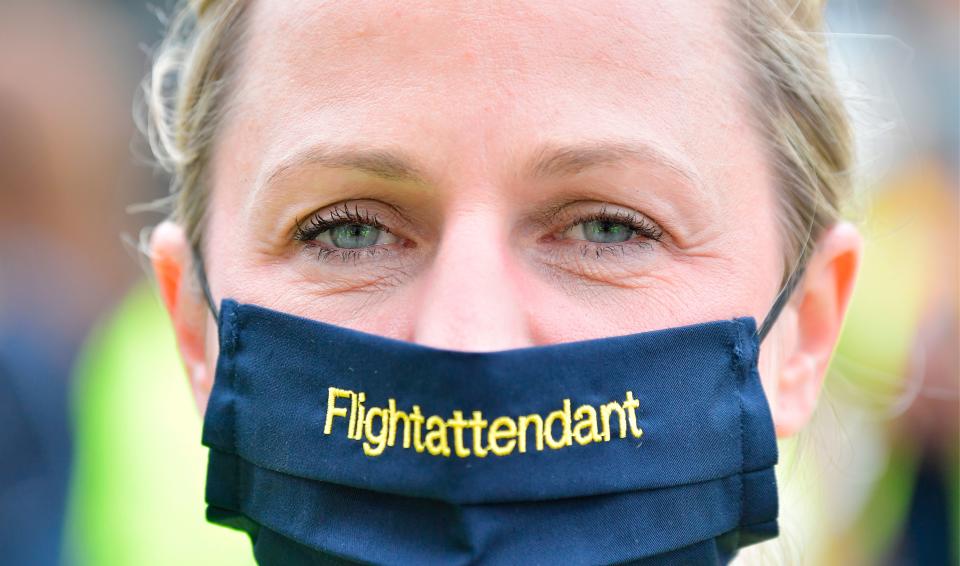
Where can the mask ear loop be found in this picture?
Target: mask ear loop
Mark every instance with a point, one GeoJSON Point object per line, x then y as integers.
{"type": "Point", "coordinates": [204, 285]}
{"type": "Point", "coordinates": [796, 274]}
{"type": "Point", "coordinates": [782, 299]}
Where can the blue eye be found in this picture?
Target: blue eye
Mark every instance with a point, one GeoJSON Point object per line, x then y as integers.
{"type": "Point", "coordinates": [354, 235]}
{"type": "Point", "coordinates": [605, 231]}
{"type": "Point", "coordinates": [612, 228]}
{"type": "Point", "coordinates": [345, 229]}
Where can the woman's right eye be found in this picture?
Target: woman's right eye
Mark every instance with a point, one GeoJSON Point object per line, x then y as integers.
{"type": "Point", "coordinates": [355, 235]}
{"type": "Point", "coordinates": [343, 232]}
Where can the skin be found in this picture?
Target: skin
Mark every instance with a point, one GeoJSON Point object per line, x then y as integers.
{"type": "Point", "coordinates": [514, 121]}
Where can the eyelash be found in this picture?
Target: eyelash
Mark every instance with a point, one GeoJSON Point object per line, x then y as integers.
{"type": "Point", "coordinates": [307, 230]}
{"type": "Point", "coordinates": [637, 223]}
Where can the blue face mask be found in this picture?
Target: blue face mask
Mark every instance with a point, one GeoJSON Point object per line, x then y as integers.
{"type": "Point", "coordinates": [332, 445]}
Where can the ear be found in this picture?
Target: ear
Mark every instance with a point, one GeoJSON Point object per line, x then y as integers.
{"type": "Point", "coordinates": [821, 305]}
{"type": "Point", "coordinates": [173, 268]}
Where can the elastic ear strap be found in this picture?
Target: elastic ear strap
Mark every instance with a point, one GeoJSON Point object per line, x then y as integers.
{"type": "Point", "coordinates": [202, 278]}
{"type": "Point", "coordinates": [782, 299]}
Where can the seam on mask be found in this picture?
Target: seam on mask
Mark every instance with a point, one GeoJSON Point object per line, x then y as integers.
{"type": "Point", "coordinates": [738, 353]}
{"type": "Point", "coordinates": [245, 461]}
{"type": "Point", "coordinates": [285, 530]}
{"type": "Point", "coordinates": [234, 340]}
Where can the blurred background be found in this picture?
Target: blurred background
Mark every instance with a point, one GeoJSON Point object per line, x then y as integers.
{"type": "Point", "coordinates": [100, 455]}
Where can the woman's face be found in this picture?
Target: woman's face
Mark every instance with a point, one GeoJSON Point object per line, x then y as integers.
{"type": "Point", "coordinates": [494, 176]}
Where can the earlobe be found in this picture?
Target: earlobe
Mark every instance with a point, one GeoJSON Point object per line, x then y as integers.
{"type": "Point", "coordinates": [798, 389]}
{"type": "Point", "coordinates": [821, 307]}
{"type": "Point", "coordinates": [171, 259]}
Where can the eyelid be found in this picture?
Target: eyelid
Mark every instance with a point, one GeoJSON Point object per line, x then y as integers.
{"type": "Point", "coordinates": [354, 210]}
{"type": "Point", "coordinates": [563, 216]}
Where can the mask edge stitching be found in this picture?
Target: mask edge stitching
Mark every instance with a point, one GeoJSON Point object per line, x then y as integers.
{"type": "Point", "coordinates": [234, 342]}
{"type": "Point", "coordinates": [741, 365]}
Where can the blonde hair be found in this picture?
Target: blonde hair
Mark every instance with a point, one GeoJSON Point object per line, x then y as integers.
{"type": "Point", "coordinates": [187, 98]}
{"type": "Point", "coordinates": [796, 107]}
{"type": "Point", "coordinates": [801, 114]}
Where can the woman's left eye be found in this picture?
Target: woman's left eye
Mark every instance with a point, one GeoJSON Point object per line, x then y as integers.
{"type": "Point", "coordinates": [600, 231]}
{"type": "Point", "coordinates": [612, 227]}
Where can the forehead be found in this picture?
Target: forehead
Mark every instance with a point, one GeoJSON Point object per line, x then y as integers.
{"type": "Point", "coordinates": [538, 39]}
{"type": "Point", "coordinates": [462, 75]}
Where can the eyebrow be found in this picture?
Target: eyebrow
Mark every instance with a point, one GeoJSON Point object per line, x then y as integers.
{"type": "Point", "coordinates": [567, 160]}
{"type": "Point", "coordinates": [548, 161]}
{"type": "Point", "coordinates": [384, 163]}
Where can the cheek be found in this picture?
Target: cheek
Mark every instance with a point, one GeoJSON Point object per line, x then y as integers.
{"type": "Point", "coordinates": [677, 293]}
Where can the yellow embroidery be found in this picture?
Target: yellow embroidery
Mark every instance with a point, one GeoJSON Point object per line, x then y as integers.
{"type": "Point", "coordinates": [437, 437]}
{"type": "Point", "coordinates": [377, 427]}
{"type": "Point", "coordinates": [457, 424]}
{"type": "Point", "coordinates": [395, 416]}
{"type": "Point", "coordinates": [564, 417]}
{"type": "Point", "coordinates": [333, 411]}
{"type": "Point", "coordinates": [417, 419]}
{"type": "Point", "coordinates": [587, 416]}
{"type": "Point", "coordinates": [358, 429]}
{"type": "Point", "coordinates": [605, 411]}
{"type": "Point", "coordinates": [496, 434]}
{"type": "Point", "coordinates": [525, 421]}
{"type": "Point", "coordinates": [632, 405]}
{"type": "Point", "coordinates": [375, 442]}
{"type": "Point", "coordinates": [353, 415]}
{"type": "Point", "coordinates": [477, 424]}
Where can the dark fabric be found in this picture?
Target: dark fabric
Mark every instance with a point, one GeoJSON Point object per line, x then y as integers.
{"type": "Point", "coordinates": [694, 487]}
